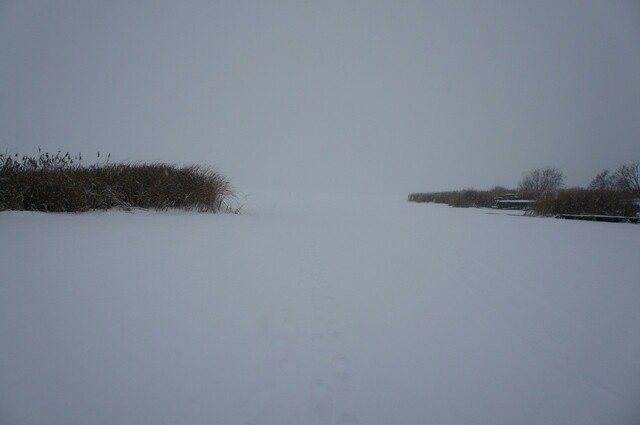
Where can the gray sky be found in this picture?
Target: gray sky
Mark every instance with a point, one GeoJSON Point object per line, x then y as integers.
{"type": "Point", "coordinates": [337, 95]}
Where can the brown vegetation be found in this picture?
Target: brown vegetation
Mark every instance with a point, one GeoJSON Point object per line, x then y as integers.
{"type": "Point", "coordinates": [462, 198]}
{"type": "Point", "coordinates": [540, 193]}
{"type": "Point", "coordinates": [58, 183]}
{"type": "Point", "coordinates": [583, 201]}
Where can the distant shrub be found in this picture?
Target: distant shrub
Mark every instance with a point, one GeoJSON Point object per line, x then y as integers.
{"type": "Point", "coordinates": [582, 201]}
{"type": "Point", "coordinates": [59, 183]}
{"type": "Point", "coordinates": [462, 198]}
{"type": "Point", "coordinates": [567, 201]}
{"type": "Point", "coordinates": [540, 193]}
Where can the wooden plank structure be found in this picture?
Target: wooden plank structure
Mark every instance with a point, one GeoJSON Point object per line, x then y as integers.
{"type": "Point", "coordinates": [514, 201]}
{"type": "Point", "coordinates": [605, 218]}
{"type": "Point", "coordinates": [512, 204]}
{"type": "Point", "coordinates": [511, 201]}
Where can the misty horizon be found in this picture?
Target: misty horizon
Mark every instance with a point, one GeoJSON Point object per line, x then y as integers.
{"type": "Point", "coordinates": [332, 96]}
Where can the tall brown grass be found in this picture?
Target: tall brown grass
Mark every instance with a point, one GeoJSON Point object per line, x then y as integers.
{"type": "Point", "coordinates": [467, 198]}
{"type": "Point", "coordinates": [586, 202]}
{"type": "Point", "coordinates": [59, 183]}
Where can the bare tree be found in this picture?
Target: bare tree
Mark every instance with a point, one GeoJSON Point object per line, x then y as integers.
{"type": "Point", "coordinates": [542, 180]}
{"type": "Point", "coordinates": [602, 181]}
{"type": "Point", "coordinates": [627, 178]}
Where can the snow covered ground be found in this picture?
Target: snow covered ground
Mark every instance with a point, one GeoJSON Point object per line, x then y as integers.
{"type": "Point", "coordinates": [318, 309]}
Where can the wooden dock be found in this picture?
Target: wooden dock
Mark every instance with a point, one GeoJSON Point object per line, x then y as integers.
{"type": "Point", "coordinates": [604, 218]}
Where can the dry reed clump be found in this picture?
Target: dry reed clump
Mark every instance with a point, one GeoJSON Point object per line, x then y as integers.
{"type": "Point", "coordinates": [583, 201]}
{"type": "Point", "coordinates": [59, 183]}
{"type": "Point", "coordinates": [467, 198]}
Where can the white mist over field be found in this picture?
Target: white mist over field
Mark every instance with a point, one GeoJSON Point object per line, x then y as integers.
{"type": "Point", "coordinates": [362, 95]}
{"type": "Point", "coordinates": [318, 309]}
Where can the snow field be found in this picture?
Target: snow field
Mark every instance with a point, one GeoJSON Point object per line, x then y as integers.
{"type": "Point", "coordinates": [318, 309]}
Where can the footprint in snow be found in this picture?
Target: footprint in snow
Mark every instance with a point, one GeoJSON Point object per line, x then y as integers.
{"type": "Point", "coordinates": [333, 327]}
{"type": "Point", "coordinates": [321, 314]}
{"type": "Point", "coordinates": [320, 403]}
{"type": "Point", "coordinates": [340, 367]}
{"type": "Point", "coordinates": [319, 342]}
{"type": "Point", "coordinates": [288, 364]}
{"type": "Point", "coordinates": [347, 419]}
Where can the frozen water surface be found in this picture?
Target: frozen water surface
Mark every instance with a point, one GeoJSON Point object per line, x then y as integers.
{"type": "Point", "coordinates": [318, 309]}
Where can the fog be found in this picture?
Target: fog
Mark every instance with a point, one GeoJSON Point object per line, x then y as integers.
{"type": "Point", "coordinates": [367, 96]}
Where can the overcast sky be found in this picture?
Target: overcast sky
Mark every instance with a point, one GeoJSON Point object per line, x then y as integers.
{"type": "Point", "coordinates": [337, 95]}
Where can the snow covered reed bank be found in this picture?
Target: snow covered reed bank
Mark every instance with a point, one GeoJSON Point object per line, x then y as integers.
{"type": "Point", "coordinates": [608, 202]}
{"type": "Point", "coordinates": [58, 183]}
{"type": "Point", "coordinates": [462, 198]}
{"type": "Point", "coordinates": [318, 309]}
{"type": "Point", "coordinates": [584, 201]}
